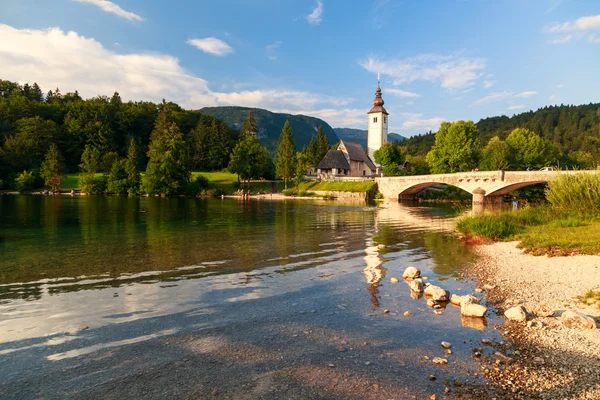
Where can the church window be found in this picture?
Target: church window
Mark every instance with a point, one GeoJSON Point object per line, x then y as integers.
{"type": "Point", "coordinates": [364, 172]}
{"type": "Point", "coordinates": [374, 119]}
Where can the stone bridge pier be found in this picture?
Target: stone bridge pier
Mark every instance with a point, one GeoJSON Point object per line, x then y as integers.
{"type": "Point", "coordinates": [487, 187]}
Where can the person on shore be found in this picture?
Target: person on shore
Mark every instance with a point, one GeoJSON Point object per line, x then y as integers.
{"type": "Point", "coordinates": [515, 203]}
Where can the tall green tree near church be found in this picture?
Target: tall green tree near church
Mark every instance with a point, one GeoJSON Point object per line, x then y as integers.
{"type": "Point", "coordinates": [322, 144]}
{"type": "Point", "coordinates": [285, 160]}
{"type": "Point", "coordinates": [455, 148]}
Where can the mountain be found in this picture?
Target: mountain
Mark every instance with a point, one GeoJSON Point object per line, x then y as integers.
{"type": "Point", "coordinates": [270, 124]}
{"type": "Point", "coordinates": [360, 135]}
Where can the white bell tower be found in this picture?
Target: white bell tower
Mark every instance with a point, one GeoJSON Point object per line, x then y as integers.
{"type": "Point", "coordinates": [378, 123]}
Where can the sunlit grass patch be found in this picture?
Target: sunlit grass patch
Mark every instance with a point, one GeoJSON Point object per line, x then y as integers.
{"type": "Point", "coordinates": [591, 297]}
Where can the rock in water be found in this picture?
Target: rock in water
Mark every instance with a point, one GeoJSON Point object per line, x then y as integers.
{"type": "Point", "coordinates": [575, 319]}
{"type": "Point", "coordinates": [472, 310]}
{"type": "Point", "coordinates": [394, 280]}
{"type": "Point", "coordinates": [411, 273]}
{"type": "Point", "coordinates": [516, 314]}
{"type": "Point", "coordinates": [466, 299]}
{"type": "Point", "coordinates": [446, 345]}
{"type": "Point", "coordinates": [439, 361]}
{"type": "Point", "coordinates": [416, 285]}
{"type": "Point", "coordinates": [543, 311]}
{"type": "Point", "coordinates": [437, 293]}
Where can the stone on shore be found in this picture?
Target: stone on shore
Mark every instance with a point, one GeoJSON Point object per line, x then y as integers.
{"type": "Point", "coordinates": [437, 293]}
{"type": "Point", "coordinates": [575, 319]}
{"type": "Point", "coordinates": [472, 310]}
{"type": "Point", "coordinates": [411, 273]}
{"type": "Point", "coordinates": [516, 314]}
{"type": "Point", "coordinates": [394, 280]}
{"type": "Point", "coordinates": [416, 285]}
{"type": "Point", "coordinates": [543, 310]}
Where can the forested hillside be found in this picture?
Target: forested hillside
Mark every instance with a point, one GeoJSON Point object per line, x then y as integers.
{"type": "Point", "coordinates": [361, 135]}
{"type": "Point", "coordinates": [575, 130]}
{"type": "Point", "coordinates": [269, 124]}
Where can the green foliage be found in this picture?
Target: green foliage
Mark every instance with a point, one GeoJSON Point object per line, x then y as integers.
{"type": "Point", "coordinates": [285, 161]}
{"type": "Point", "coordinates": [342, 186]}
{"type": "Point", "coordinates": [166, 172]}
{"type": "Point", "coordinates": [108, 160]}
{"type": "Point", "coordinates": [131, 168]}
{"type": "Point", "coordinates": [495, 155]}
{"type": "Point", "coordinates": [250, 160]}
{"type": "Point", "coordinates": [417, 165]}
{"type": "Point", "coordinates": [455, 148]}
{"type": "Point", "coordinates": [50, 168]}
{"type": "Point", "coordinates": [117, 179]}
{"type": "Point", "coordinates": [578, 194]}
{"type": "Point", "coordinates": [303, 164]}
{"type": "Point", "coordinates": [249, 127]}
{"type": "Point", "coordinates": [322, 144]}
{"type": "Point", "coordinates": [390, 156]}
{"type": "Point", "coordinates": [90, 160]}
{"type": "Point", "coordinates": [25, 182]}
{"type": "Point", "coordinates": [197, 186]}
{"type": "Point", "coordinates": [504, 225]}
{"type": "Point", "coordinates": [529, 150]}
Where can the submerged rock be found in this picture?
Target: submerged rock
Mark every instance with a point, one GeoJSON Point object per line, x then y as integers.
{"type": "Point", "coordinates": [411, 273]}
{"type": "Point", "coordinates": [516, 314]}
{"type": "Point", "coordinates": [472, 310]}
{"type": "Point", "coordinates": [575, 319]}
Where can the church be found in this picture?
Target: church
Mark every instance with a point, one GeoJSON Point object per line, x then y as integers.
{"type": "Point", "coordinates": [350, 159]}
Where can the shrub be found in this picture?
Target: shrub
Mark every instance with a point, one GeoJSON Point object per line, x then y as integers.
{"type": "Point", "coordinates": [117, 179]}
{"type": "Point", "coordinates": [575, 193]}
{"type": "Point", "coordinates": [100, 185]}
{"type": "Point", "coordinates": [378, 196]}
{"type": "Point", "coordinates": [25, 182]}
{"type": "Point", "coordinates": [290, 192]}
{"type": "Point", "coordinates": [196, 186]}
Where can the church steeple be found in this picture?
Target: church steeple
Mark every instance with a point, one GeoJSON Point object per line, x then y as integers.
{"type": "Point", "coordinates": [378, 123]}
{"type": "Point", "coordinates": [378, 102]}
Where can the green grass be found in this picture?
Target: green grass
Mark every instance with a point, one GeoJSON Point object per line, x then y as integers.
{"type": "Point", "coordinates": [355, 187]}
{"type": "Point", "coordinates": [590, 297]}
{"type": "Point", "coordinates": [221, 177]}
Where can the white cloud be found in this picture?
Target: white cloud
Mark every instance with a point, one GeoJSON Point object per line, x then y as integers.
{"type": "Point", "coordinates": [517, 107]}
{"type": "Point", "coordinates": [415, 122]}
{"type": "Point", "coordinates": [593, 39]}
{"type": "Point", "coordinates": [488, 84]}
{"type": "Point", "coordinates": [110, 7]}
{"type": "Point", "coordinates": [54, 58]}
{"type": "Point", "coordinates": [211, 45]}
{"type": "Point", "coordinates": [562, 85]}
{"type": "Point", "coordinates": [272, 48]}
{"type": "Point", "coordinates": [561, 40]}
{"type": "Point", "coordinates": [316, 16]}
{"type": "Point", "coordinates": [587, 23]}
{"type": "Point", "coordinates": [402, 93]}
{"type": "Point", "coordinates": [498, 96]}
{"type": "Point", "coordinates": [451, 72]}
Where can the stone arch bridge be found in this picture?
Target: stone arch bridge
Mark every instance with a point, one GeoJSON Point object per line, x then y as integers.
{"type": "Point", "coordinates": [486, 187]}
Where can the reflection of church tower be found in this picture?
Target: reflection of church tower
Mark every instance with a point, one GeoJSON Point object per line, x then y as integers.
{"type": "Point", "coordinates": [378, 124]}
{"type": "Point", "coordinates": [374, 273]}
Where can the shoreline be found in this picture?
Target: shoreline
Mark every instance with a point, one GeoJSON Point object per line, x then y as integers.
{"type": "Point", "coordinates": [549, 360]}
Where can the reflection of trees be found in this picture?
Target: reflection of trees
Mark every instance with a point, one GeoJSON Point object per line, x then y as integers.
{"type": "Point", "coordinates": [447, 252]}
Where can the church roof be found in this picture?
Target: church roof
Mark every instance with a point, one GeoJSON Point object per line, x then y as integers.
{"type": "Point", "coordinates": [378, 102]}
{"type": "Point", "coordinates": [334, 159]}
{"type": "Point", "coordinates": [357, 153]}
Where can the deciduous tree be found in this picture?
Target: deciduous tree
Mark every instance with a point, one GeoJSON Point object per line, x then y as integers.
{"type": "Point", "coordinates": [455, 148]}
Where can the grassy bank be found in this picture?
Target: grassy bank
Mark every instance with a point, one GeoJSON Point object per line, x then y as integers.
{"type": "Point", "coordinates": [306, 188]}
{"type": "Point", "coordinates": [570, 224]}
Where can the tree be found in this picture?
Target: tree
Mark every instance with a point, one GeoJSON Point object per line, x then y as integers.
{"type": "Point", "coordinates": [455, 148]}
{"type": "Point", "coordinates": [312, 152]}
{"type": "Point", "coordinates": [50, 169]}
{"type": "Point", "coordinates": [495, 155]}
{"type": "Point", "coordinates": [90, 161]}
{"type": "Point", "coordinates": [249, 127]}
{"type": "Point", "coordinates": [322, 145]}
{"type": "Point", "coordinates": [250, 160]}
{"type": "Point", "coordinates": [167, 170]}
{"type": "Point", "coordinates": [117, 178]}
{"type": "Point", "coordinates": [303, 164]}
{"type": "Point", "coordinates": [131, 168]}
{"type": "Point", "coordinates": [25, 182]}
{"type": "Point", "coordinates": [390, 156]}
{"type": "Point", "coordinates": [528, 150]}
{"type": "Point", "coordinates": [285, 160]}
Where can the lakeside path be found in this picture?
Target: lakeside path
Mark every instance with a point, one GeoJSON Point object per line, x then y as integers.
{"type": "Point", "coordinates": [550, 361]}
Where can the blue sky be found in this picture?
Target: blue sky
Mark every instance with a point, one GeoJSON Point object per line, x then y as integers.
{"type": "Point", "coordinates": [439, 60]}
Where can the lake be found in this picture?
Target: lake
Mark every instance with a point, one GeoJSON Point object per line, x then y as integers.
{"type": "Point", "coordinates": [208, 298]}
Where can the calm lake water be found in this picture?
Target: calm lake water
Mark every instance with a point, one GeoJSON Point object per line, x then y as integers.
{"type": "Point", "coordinates": [155, 298]}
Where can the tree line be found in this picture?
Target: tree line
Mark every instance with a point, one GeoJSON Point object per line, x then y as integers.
{"type": "Point", "coordinates": [131, 147]}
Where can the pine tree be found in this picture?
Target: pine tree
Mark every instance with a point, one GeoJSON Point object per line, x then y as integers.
{"type": "Point", "coordinates": [322, 144]}
{"type": "Point", "coordinates": [249, 127]}
{"type": "Point", "coordinates": [285, 160]}
{"type": "Point", "coordinates": [50, 169]}
{"type": "Point", "coordinates": [312, 152]}
{"type": "Point", "coordinates": [117, 178]}
{"type": "Point", "coordinates": [131, 167]}
{"type": "Point", "coordinates": [90, 162]}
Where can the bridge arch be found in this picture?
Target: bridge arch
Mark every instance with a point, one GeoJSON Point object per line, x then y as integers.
{"type": "Point", "coordinates": [413, 190]}
{"type": "Point", "coordinates": [505, 189]}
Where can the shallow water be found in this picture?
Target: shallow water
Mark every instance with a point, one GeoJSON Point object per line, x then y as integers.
{"type": "Point", "coordinates": [100, 293]}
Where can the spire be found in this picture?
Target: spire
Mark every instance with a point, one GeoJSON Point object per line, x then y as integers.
{"type": "Point", "coordinates": [378, 102]}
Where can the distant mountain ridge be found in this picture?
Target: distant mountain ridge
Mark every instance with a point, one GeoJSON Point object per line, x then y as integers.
{"type": "Point", "coordinates": [360, 135]}
{"type": "Point", "coordinates": [270, 124]}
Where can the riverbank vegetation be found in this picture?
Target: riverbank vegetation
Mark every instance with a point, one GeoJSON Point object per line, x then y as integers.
{"type": "Point", "coordinates": [570, 223]}
{"type": "Point", "coordinates": [339, 186]}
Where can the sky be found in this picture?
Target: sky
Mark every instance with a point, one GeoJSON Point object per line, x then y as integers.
{"type": "Point", "coordinates": [439, 60]}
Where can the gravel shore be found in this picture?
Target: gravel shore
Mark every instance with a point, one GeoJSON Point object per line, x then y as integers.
{"type": "Point", "coordinates": [547, 360]}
